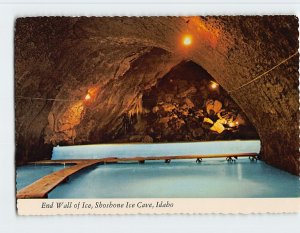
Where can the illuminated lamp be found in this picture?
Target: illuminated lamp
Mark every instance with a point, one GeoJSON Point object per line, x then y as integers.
{"type": "Point", "coordinates": [214, 85]}
{"type": "Point", "coordinates": [87, 97]}
{"type": "Point", "coordinates": [187, 40]}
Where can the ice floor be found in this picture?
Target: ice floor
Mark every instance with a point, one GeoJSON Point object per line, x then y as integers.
{"type": "Point", "coordinates": [181, 179]}
{"type": "Point", "coordinates": [29, 173]}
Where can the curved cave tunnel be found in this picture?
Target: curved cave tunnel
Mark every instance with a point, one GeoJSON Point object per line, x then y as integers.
{"type": "Point", "coordinates": [133, 66]}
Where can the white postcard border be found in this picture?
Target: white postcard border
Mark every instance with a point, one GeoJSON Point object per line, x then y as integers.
{"type": "Point", "coordinates": [157, 206]}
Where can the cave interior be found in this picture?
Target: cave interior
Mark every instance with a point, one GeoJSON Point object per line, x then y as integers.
{"type": "Point", "coordinates": [91, 80]}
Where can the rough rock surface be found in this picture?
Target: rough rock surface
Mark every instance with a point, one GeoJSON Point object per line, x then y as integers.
{"type": "Point", "coordinates": [118, 60]}
{"type": "Point", "coordinates": [175, 109]}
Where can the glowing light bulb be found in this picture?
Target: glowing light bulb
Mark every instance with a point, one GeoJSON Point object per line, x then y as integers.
{"type": "Point", "coordinates": [87, 97]}
{"type": "Point", "coordinates": [214, 85]}
{"type": "Point", "coordinates": [237, 123]}
{"type": "Point", "coordinates": [187, 40]}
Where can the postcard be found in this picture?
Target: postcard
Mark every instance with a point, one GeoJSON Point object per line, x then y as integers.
{"type": "Point", "coordinates": [157, 114]}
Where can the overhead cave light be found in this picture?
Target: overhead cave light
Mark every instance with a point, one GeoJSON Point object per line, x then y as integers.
{"type": "Point", "coordinates": [87, 97]}
{"type": "Point", "coordinates": [187, 40]}
{"type": "Point", "coordinates": [214, 85]}
{"type": "Point", "coordinates": [91, 94]}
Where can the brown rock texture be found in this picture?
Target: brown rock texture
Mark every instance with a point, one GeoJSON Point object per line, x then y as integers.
{"type": "Point", "coordinates": [175, 109]}
{"type": "Point", "coordinates": [116, 60]}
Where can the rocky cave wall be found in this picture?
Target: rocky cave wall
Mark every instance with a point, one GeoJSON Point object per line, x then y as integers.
{"type": "Point", "coordinates": [184, 105]}
{"type": "Point", "coordinates": [118, 60]}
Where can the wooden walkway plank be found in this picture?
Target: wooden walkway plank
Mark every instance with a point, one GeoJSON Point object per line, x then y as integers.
{"type": "Point", "coordinates": [41, 187]}
{"type": "Point", "coordinates": [184, 157]}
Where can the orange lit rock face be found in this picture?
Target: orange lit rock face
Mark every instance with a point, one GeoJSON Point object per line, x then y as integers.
{"type": "Point", "coordinates": [61, 125]}
{"type": "Point", "coordinates": [124, 58]}
{"type": "Point", "coordinates": [205, 30]}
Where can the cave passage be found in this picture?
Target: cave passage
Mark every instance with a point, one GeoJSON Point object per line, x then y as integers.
{"type": "Point", "coordinates": [99, 80]}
